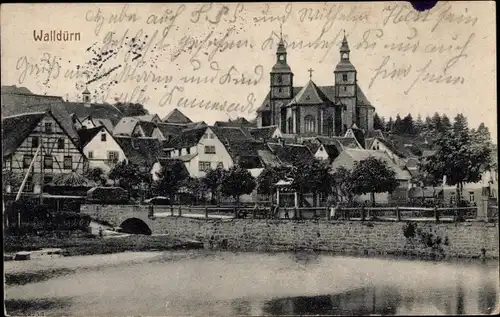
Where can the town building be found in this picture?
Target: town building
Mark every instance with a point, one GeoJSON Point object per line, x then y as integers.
{"type": "Point", "coordinates": [176, 116]}
{"type": "Point", "coordinates": [39, 140]}
{"type": "Point", "coordinates": [101, 148]}
{"type": "Point", "coordinates": [312, 110]}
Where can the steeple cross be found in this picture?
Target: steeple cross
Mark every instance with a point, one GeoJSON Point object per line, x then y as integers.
{"type": "Point", "coordinates": [310, 70]}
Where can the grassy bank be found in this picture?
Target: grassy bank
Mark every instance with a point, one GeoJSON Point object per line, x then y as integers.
{"type": "Point", "coordinates": [82, 243]}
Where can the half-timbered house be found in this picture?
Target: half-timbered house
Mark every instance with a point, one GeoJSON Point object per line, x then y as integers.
{"type": "Point", "coordinates": [41, 133]}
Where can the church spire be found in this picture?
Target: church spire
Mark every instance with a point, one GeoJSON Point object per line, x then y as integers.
{"type": "Point", "coordinates": [344, 49]}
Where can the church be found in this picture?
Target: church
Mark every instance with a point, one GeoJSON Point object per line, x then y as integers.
{"type": "Point", "coordinates": [313, 110]}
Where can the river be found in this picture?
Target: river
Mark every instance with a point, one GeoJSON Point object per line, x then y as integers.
{"type": "Point", "coordinates": [203, 282]}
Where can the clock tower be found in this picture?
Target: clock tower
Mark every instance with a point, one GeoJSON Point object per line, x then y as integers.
{"type": "Point", "coordinates": [281, 86]}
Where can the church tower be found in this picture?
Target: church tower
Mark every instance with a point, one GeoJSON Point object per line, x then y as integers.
{"type": "Point", "coordinates": [346, 86]}
{"type": "Point", "coordinates": [281, 86]}
{"type": "Point", "coordinates": [86, 97]}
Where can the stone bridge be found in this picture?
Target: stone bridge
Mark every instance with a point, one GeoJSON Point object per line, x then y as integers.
{"type": "Point", "coordinates": [131, 218]}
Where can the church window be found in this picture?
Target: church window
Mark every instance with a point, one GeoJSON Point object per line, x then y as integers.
{"type": "Point", "coordinates": [344, 77]}
{"type": "Point", "coordinates": [282, 57]}
{"type": "Point", "coordinates": [310, 124]}
{"type": "Point", "coordinates": [280, 90]}
{"type": "Point", "coordinates": [345, 88]}
{"type": "Point", "coordinates": [279, 79]}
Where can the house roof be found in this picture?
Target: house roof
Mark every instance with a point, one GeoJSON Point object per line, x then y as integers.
{"type": "Point", "coordinates": [359, 135]}
{"type": "Point", "coordinates": [263, 133]}
{"type": "Point", "coordinates": [328, 91]}
{"type": "Point", "coordinates": [15, 129]}
{"type": "Point", "coordinates": [72, 179]}
{"type": "Point", "coordinates": [147, 117]}
{"type": "Point", "coordinates": [358, 155]}
{"type": "Point", "coordinates": [147, 127]}
{"type": "Point", "coordinates": [238, 122]}
{"type": "Point", "coordinates": [125, 126]}
{"type": "Point", "coordinates": [332, 150]}
{"type": "Point", "coordinates": [86, 135]}
{"type": "Point", "coordinates": [391, 147]}
{"type": "Point", "coordinates": [96, 110]}
{"type": "Point", "coordinates": [374, 134]}
{"type": "Point", "coordinates": [15, 90]}
{"type": "Point", "coordinates": [141, 151]}
{"type": "Point", "coordinates": [230, 134]}
{"type": "Point", "coordinates": [14, 104]}
{"type": "Point", "coordinates": [170, 129]}
{"type": "Point", "coordinates": [176, 116]}
{"type": "Point", "coordinates": [291, 153]}
{"type": "Point", "coordinates": [188, 138]}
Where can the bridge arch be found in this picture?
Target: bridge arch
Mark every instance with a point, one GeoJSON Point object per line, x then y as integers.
{"type": "Point", "coordinates": [135, 226]}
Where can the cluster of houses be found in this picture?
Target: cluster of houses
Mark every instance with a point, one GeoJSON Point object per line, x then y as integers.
{"type": "Point", "coordinates": [68, 138]}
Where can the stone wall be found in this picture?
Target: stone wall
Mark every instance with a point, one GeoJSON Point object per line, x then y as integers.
{"type": "Point", "coordinates": [456, 239]}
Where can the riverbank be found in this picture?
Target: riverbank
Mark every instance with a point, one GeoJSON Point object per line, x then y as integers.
{"type": "Point", "coordinates": [81, 243]}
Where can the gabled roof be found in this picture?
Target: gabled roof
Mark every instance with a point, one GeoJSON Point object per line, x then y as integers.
{"type": "Point", "coordinates": [14, 104]}
{"type": "Point", "coordinates": [15, 90]}
{"type": "Point", "coordinates": [331, 150]}
{"type": "Point", "coordinates": [230, 134]}
{"type": "Point", "coordinates": [391, 147]}
{"type": "Point", "coordinates": [147, 127]}
{"type": "Point", "coordinates": [147, 117]}
{"type": "Point", "coordinates": [358, 155]}
{"type": "Point", "coordinates": [96, 110]}
{"type": "Point", "coordinates": [176, 116]}
{"type": "Point", "coordinates": [291, 153]}
{"type": "Point", "coordinates": [170, 129]}
{"type": "Point", "coordinates": [374, 134]}
{"type": "Point", "coordinates": [97, 121]}
{"type": "Point", "coordinates": [141, 151]}
{"type": "Point", "coordinates": [188, 138]}
{"type": "Point", "coordinates": [15, 129]}
{"type": "Point", "coordinates": [310, 94]}
{"type": "Point", "coordinates": [87, 135]}
{"type": "Point", "coordinates": [263, 133]}
{"type": "Point", "coordinates": [125, 126]}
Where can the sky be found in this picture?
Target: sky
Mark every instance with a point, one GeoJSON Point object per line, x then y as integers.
{"type": "Point", "coordinates": [192, 56]}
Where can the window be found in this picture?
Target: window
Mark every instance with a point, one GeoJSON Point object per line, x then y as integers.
{"type": "Point", "coordinates": [28, 186]}
{"type": "Point", "coordinates": [211, 135]}
{"type": "Point", "coordinates": [209, 149]}
{"type": "Point", "coordinates": [279, 79]}
{"type": "Point", "coordinates": [188, 150]}
{"type": "Point", "coordinates": [205, 136]}
{"type": "Point", "coordinates": [60, 143]}
{"type": "Point", "coordinates": [282, 57]}
{"type": "Point", "coordinates": [203, 166]}
{"type": "Point", "coordinates": [280, 90]}
{"type": "Point", "coordinates": [48, 161]}
{"type": "Point", "coordinates": [220, 164]}
{"type": "Point", "coordinates": [103, 137]}
{"type": "Point", "coordinates": [34, 141]}
{"type": "Point", "coordinates": [345, 88]}
{"type": "Point", "coordinates": [48, 127]}
{"type": "Point", "coordinates": [310, 124]}
{"type": "Point", "coordinates": [471, 197]}
{"type": "Point", "coordinates": [27, 160]}
{"type": "Point", "coordinates": [344, 77]}
{"type": "Point", "coordinates": [113, 156]}
{"type": "Point", "coordinates": [91, 154]}
{"type": "Point", "coordinates": [68, 162]}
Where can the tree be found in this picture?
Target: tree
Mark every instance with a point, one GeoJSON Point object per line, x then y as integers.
{"type": "Point", "coordinates": [460, 125]}
{"type": "Point", "coordinates": [236, 182]}
{"type": "Point", "coordinates": [378, 123]}
{"type": "Point", "coordinates": [97, 175]}
{"type": "Point", "coordinates": [372, 175]}
{"type": "Point", "coordinates": [131, 109]}
{"type": "Point", "coordinates": [196, 187]}
{"type": "Point", "coordinates": [445, 123]}
{"type": "Point", "coordinates": [457, 158]}
{"type": "Point", "coordinates": [436, 125]}
{"type": "Point", "coordinates": [419, 125]}
{"type": "Point", "coordinates": [130, 177]}
{"type": "Point", "coordinates": [313, 177]}
{"type": "Point", "coordinates": [343, 185]}
{"type": "Point", "coordinates": [213, 181]}
{"type": "Point", "coordinates": [398, 125]}
{"type": "Point", "coordinates": [390, 125]}
{"type": "Point", "coordinates": [482, 135]}
{"type": "Point", "coordinates": [270, 176]}
{"type": "Point", "coordinates": [170, 179]}
{"type": "Point", "coordinates": [407, 126]}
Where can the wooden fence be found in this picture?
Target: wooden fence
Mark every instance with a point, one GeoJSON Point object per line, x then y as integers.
{"type": "Point", "coordinates": [340, 213]}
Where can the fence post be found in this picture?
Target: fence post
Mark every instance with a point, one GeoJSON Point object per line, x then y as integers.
{"type": "Point", "coordinates": [180, 211]}
{"type": "Point", "coordinates": [235, 212]}
{"type": "Point", "coordinates": [436, 213]}
{"type": "Point", "coordinates": [398, 213]}
{"type": "Point", "coordinates": [206, 212]}
{"type": "Point", "coordinates": [172, 210]}
{"type": "Point", "coordinates": [295, 213]}
{"type": "Point", "coordinates": [362, 213]}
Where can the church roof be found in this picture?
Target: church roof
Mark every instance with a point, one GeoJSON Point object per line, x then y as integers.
{"type": "Point", "coordinates": [344, 65]}
{"type": "Point", "coordinates": [328, 91]}
{"type": "Point", "coordinates": [281, 68]}
{"type": "Point", "coordinates": [176, 116]}
{"type": "Point", "coordinates": [310, 94]}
